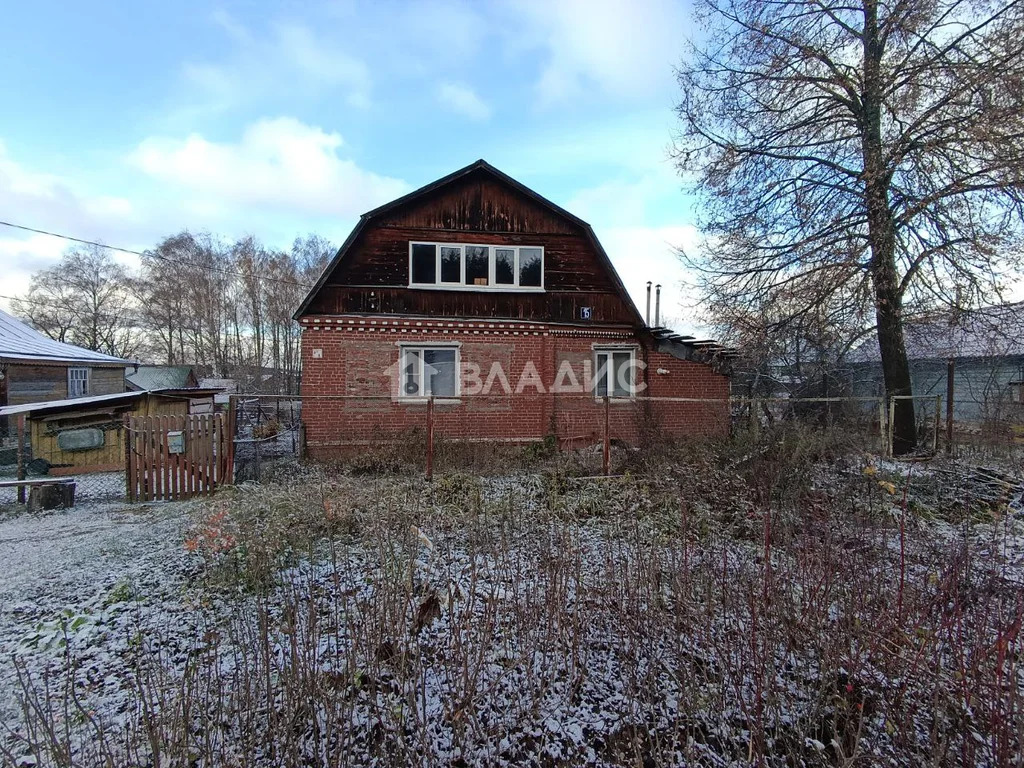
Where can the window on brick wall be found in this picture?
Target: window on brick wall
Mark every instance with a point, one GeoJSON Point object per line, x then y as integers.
{"type": "Point", "coordinates": [78, 382]}
{"type": "Point", "coordinates": [429, 371]}
{"type": "Point", "coordinates": [614, 369]}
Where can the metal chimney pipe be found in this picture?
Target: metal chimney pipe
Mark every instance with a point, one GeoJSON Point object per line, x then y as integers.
{"type": "Point", "coordinates": [657, 305]}
{"type": "Point", "coordinates": [647, 317]}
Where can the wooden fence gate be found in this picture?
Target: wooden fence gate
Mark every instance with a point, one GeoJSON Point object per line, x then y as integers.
{"type": "Point", "coordinates": [176, 457]}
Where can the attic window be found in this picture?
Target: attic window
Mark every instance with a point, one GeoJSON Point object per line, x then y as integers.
{"type": "Point", "coordinates": [476, 267]}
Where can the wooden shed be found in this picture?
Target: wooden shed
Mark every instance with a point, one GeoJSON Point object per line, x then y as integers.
{"type": "Point", "coordinates": [84, 435]}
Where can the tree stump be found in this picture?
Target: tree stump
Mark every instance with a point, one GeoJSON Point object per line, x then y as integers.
{"type": "Point", "coordinates": [51, 496]}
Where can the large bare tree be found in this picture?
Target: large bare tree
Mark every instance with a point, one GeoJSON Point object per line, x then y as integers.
{"type": "Point", "coordinates": [85, 299]}
{"type": "Point", "coordinates": [857, 148]}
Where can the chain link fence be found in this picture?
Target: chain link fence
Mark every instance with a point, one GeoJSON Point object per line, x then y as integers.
{"type": "Point", "coordinates": [92, 459]}
{"type": "Point", "coordinates": [268, 434]}
{"type": "Point", "coordinates": [509, 433]}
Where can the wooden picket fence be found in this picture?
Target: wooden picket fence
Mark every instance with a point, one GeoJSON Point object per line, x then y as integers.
{"type": "Point", "coordinates": [177, 457]}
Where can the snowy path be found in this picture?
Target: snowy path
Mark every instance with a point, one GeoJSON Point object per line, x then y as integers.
{"type": "Point", "coordinates": [88, 545]}
{"type": "Point", "coordinates": [85, 562]}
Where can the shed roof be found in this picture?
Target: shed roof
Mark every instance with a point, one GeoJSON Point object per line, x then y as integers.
{"type": "Point", "coordinates": [20, 342]}
{"type": "Point", "coordinates": [149, 377]}
{"type": "Point", "coordinates": [112, 400]}
{"type": "Point", "coordinates": [221, 385]}
{"type": "Point", "coordinates": [56, 405]}
{"type": "Point", "coordinates": [996, 331]}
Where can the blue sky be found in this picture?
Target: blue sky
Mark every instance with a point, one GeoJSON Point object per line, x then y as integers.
{"type": "Point", "coordinates": [125, 122]}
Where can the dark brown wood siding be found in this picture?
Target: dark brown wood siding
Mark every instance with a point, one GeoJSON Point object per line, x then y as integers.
{"type": "Point", "coordinates": [374, 275]}
{"type": "Point", "coordinates": [40, 383]}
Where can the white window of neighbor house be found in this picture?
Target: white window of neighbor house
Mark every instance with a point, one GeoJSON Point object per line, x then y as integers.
{"type": "Point", "coordinates": [613, 372]}
{"type": "Point", "coordinates": [429, 372]}
{"type": "Point", "coordinates": [78, 382]}
{"type": "Point", "coordinates": [476, 267]}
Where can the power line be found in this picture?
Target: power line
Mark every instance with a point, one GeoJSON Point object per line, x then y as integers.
{"type": "Point", "coordinates": [153, 254]}
{"type": "Point", "coordinates": [57, 305]}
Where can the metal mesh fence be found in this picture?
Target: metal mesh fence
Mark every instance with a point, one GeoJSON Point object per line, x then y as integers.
{"type": "Point", "coordinates": [509, 433]}
{"type": "Point", "coordinates": [268, 433]}
{"type": "Point", "coordinates": [504, 433]}
{"type": "Point", "coordinates": [92, 459]}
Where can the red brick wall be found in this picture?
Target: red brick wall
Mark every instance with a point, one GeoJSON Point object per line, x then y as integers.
{"type": "Point", "coordinates": [348, 394]}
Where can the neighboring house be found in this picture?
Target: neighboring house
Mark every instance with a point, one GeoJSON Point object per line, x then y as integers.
{"type": "Point", "coordinates": [87, 434]}
{"type": "Point", "coordinates": [146, 378]}
{"type": "Point", "coordinates": [987, 349]}
{"type": "Point", "coordinates": [34, 368]}
{"type": "Point", "coordinates": [433, 293]}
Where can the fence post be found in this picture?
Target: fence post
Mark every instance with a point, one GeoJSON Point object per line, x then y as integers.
{"type": "Point", "coordinates": [21, 457]}
{"type": "Point", "coordinates": [430, 438]}
{"type": "Point", "coordinates": [892, 425]}
{"type": "Point", "coordinates": [607, 453]}
{"type": "Point", "coordinates": [229, 453]}
{"type": "Point", "coordinates": [935, 437]}
{"type": "Point", "coordinates": [126, 432]}
{"type": "Point", "coordinates": [881, 421]}
{"type": "Point", "coordinates": [950, 371]}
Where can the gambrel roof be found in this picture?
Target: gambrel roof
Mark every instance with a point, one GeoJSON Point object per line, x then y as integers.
{"type": "Point", "coordinates": [20, 342]}
{"type": "Point", "coordinates": [480, 166]}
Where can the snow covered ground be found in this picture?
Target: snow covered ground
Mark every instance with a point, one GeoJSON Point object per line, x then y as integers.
{"type": "Point", "coordinates": [525, 620]}
{"type": "Point", "coordinates": [82, 581]}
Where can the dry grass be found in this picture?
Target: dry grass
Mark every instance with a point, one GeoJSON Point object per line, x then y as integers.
{"type": "Point", "coordinates": [747, 605]}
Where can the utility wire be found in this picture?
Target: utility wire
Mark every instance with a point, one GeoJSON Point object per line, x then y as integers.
{"type": "Point", "coordinates": [153, 254]}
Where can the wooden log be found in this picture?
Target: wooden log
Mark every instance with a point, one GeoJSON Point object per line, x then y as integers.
{"type": "Point", "coordinates": [51, 496]}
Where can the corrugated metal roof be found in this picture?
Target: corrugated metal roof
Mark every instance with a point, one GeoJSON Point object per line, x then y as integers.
{"type": "Point", "coordinates": [988, 332]}
{"type": "Point", "coordinates": [116, 398]}
{"type": "Point", "coordinates": [150, 377]}
{"type": "Point", "coordinates": [19, 341]}
{"type": "Point", "coordinates": [53, 405]}
{"type": "Point", "coordinates": [225, 385]}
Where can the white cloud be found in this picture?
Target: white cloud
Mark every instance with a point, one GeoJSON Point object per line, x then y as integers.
{"type": "Point", "coordinates": [625, 47]}
{"type": "Point", "coordinates": [46, 201]}
{"type": "Point", "coordinates": [280, 163]}
{"type": "Point", "coordinates": [290, 59]}
{"type": "Point", "coordinates": [463, 100]}
{"type": "Point", "coordinates": [21, 256]}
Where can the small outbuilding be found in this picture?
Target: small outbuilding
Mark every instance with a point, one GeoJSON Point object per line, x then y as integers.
{"type": "Point", "coordinates": [82, 435]}
{"type": "Point", "coordinates": [984, 349]}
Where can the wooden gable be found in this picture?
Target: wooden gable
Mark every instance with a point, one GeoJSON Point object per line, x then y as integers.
{"type": "Point", "coordinates": [479, 205]}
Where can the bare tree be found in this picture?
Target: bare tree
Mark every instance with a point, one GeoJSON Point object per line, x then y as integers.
{"type": "Point", "coordinates": [85, 299]}
{"type": "Point", "coordinates": [311, 255]}
{"type": "Point", "coordinates": [163, 290]}
{"type": "Point", "coordinates": [857, 149]}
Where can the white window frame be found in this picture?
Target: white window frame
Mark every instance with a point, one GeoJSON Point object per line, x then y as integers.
{"type": "Point", "coordinates": [404, 348]}
{"type": "Point", "coordinates": [607, 350]}
{"type": "Point", "coordinates": [437, 285]}
{"type": "Point", "coordinates": [78, 375]}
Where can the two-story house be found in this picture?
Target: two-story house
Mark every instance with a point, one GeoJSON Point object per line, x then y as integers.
{"type": "Point", "coordinates": [503, 310]}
